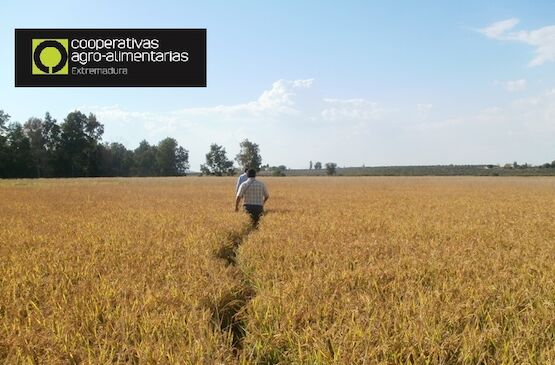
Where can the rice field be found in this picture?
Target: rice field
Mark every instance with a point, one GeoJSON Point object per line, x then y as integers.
{"type": "Point", "coordinates": [345, 270]}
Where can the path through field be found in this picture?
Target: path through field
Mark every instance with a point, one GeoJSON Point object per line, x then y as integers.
{"type": "Point", "coordinates": [228, 312]}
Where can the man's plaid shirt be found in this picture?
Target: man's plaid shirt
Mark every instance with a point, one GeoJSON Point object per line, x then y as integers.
{"type": "Point", "coordinates": [253, 191]}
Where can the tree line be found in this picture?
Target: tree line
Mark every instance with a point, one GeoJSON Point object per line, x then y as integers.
{"type": "Point", "coordinates": [74, 148]}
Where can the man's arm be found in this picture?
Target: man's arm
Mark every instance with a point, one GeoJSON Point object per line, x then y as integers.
{"type": "Point", "coordinates": [266, 195]}
{"type": "Point", "coordinates": [237, 201]}
{"type": "Point", "coordinates": [238, 197]}
{"type": "Point", "coordinates": [238, 184]}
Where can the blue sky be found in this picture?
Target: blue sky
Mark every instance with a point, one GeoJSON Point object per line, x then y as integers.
{"type": "Point", "coordinates": [354, 82]}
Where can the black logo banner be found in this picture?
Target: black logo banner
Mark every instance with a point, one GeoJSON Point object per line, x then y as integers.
{"type": "Point", "coordinates": [110, 57]}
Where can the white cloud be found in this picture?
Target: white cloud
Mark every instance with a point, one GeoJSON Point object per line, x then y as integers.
{"type": "Point", "coordinates": [423, 112]}
{"type": "Point", "coordinates": [273, 119]}
{"type": "Point", "coordinates": [424, 108]}
{"type": "Point", "coordinates": [278, 99]}
{"type": "Point", "coordinates": [498, 29]}
{"type": "Point", "coordinates": [543, 39]}
{"type": "Point", "coordinates": [289, 113]}
{"type": "Point", "coordinates": [272, 104]}
{"type": "Point", "coordinates": [536, 113]}
{"type": "Point", "coordinates": [282, 102]}
{"type": "Point", "coordinates": [351, 109]}
{"type": "Point", "coordinates": [516, 85]}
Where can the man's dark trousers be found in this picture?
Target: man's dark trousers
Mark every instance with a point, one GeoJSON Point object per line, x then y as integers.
{"type": "Point", "coordinates": [255, 211]}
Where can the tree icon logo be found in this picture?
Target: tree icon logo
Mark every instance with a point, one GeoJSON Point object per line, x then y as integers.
{"type": "Point", "coordinates": [50, 56]}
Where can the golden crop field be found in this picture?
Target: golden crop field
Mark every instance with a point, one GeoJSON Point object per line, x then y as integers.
{"type": "Point", "coordinates": [379, 270]}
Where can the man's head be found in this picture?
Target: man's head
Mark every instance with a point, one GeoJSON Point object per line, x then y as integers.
{"type": "Point", "coordinates": [251, 173]}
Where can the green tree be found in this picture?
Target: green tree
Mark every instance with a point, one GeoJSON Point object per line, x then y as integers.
{"type": "Point", "coordinates": [182, 160]}
{"type": "Point", "coordinates": [249, 155]}
{"type": "Point", "coordinates": [278, 170]}
{"type": "Point", "coordinates": [79, 140]}
{"type": "Point", "coordinates": [121, 160]}
{"type": "Point", "coordinates": [172, 160]}
{"type": "Point", "coordinates": [33, 129]}
{"type": "Point", "coordinates": [217, 162]}
{"type": "Point", "coordinates": [114, 160]}
{"type": "Point", "coordinates": [44, 136]}
{"type": "Point", "coordinates": [42, 148]}
{"type": "Point", "coordinates": [331, 168]}
{"type": "Point", "coordinates": [145, 160]}
{"type": "Point", "coordinates": [51, 137]}
{"type": "Point", "coordinates": [318, 165]}
{"type": "Point", "coordinates": [20, 162]}
{"type": "Point", "coordinates": [51, 132]}
{"type": "Point", "coordinates": [4, 119]}
{"type": "Point", "coordinates": [94, 131]}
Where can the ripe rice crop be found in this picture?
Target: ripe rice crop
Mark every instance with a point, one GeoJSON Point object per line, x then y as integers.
{"type": "Point", "coordinates": [112, 271]}
{"type": "Point", "coordinates": [379, 270]}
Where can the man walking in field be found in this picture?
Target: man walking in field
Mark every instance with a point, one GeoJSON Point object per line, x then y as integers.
{"type": "Point", "coordinates": [255, 194]}
{"type": "Point", "coordinates": [242, 178]}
